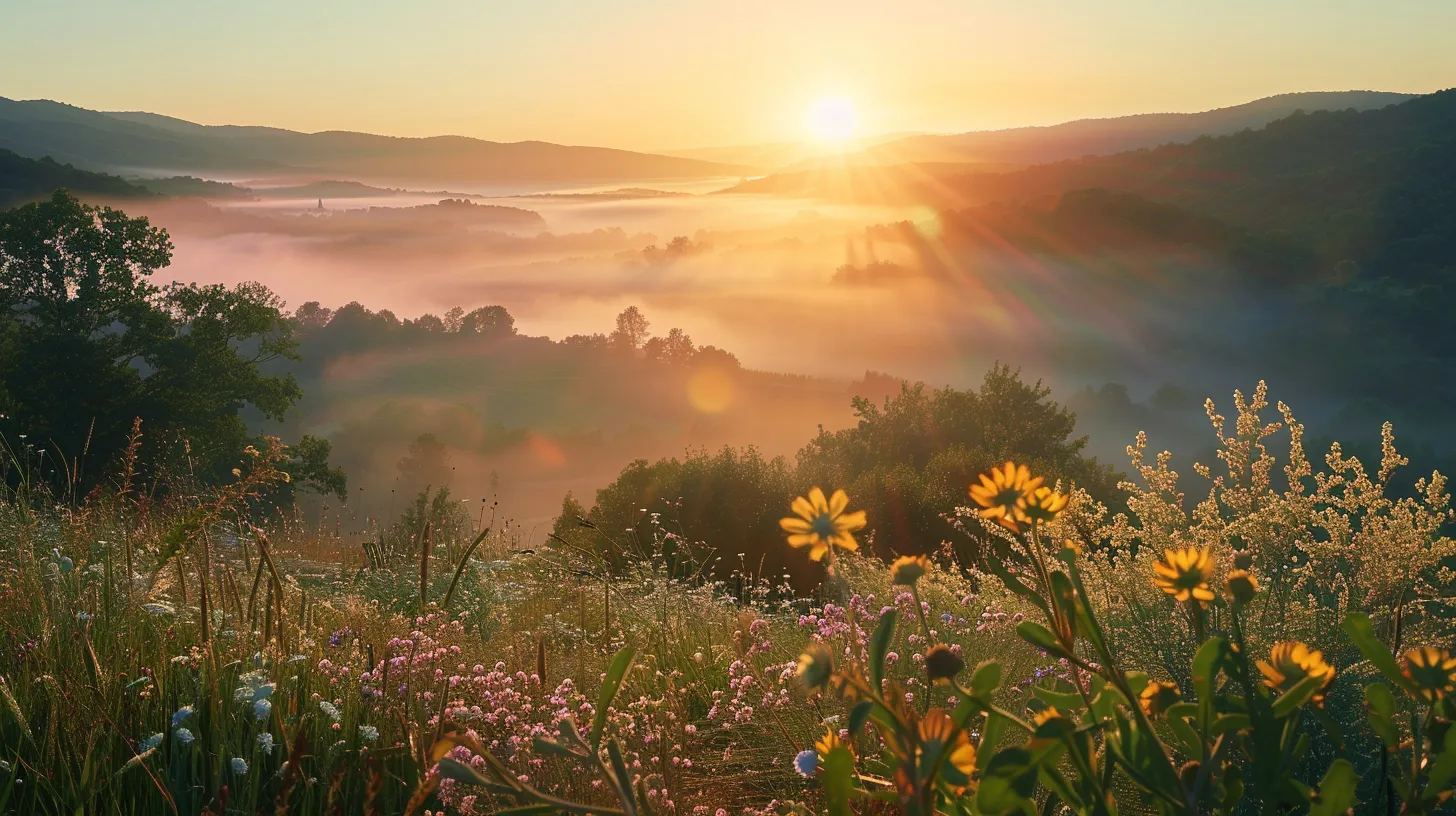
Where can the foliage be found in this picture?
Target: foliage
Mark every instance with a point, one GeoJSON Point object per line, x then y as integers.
{"type": "Point", "coordinates": [88, 345]}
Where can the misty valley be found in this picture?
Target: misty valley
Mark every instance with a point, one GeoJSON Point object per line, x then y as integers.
{"type": "Point", "coordinates": [1090, 467]}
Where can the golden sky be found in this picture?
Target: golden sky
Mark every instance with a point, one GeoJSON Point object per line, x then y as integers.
{"type": "Point", "coordinates": [660, 74]}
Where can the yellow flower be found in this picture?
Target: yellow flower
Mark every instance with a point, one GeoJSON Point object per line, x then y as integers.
{"type": "Point", "coordinates": [827, 743]}
{"type": "Point", "coordinates": [1290, 661]}
{"type": "Point", "coordinates": [1157, 696]}
{"type": "Point", "coordinates": [1184, 574]}
{"type": "Point", "coordinates": [1046, 715]}
{"type": "Point", "coordinates": [821, 524]}
{"type": "Point", "coordinates": [938, 732]}
{"type": "Point", "coordinates": [1432, 671]}
{"type": "Point", "coordinates": [1041, 504]}
{"type": "Point", "coordinates": [1241, 585]}
{"type": "Point", "coordinates": [1001, 491]}
{"type": "Point", "coordinates": [816, 666]}
{"type": "Point", "coordinates": [908, 569]}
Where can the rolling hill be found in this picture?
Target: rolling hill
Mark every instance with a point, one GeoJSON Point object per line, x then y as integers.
{"type": "Point", "coordinates": [1097, 137]}
{"type": "Point", "coordinates": [149, 144]}
{"type": "Point", "coordinates": [23, 179]}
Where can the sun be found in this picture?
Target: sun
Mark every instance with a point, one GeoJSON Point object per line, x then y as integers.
{"type": "Point", "coordinates": [832, 119]}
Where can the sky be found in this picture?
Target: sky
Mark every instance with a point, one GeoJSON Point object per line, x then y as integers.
{"type": "Point", "coordinates": [677, 74]}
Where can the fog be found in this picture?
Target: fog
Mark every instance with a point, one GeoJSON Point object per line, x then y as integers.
{"type": "Point", "coordinates": [790, 286]}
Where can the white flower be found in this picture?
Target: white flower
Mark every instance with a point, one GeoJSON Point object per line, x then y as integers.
{"type": "Point", "coordinates": [261, 710]}
{"type": "Point", "coordinates": [150, 742]}
{"type": "Point", "coordinates": [240, 766]}
{"type": "Point", "coordinates": [368, 733]}
{"type": "Point", "coordinates": [157, 609]}
{"type": "Point", "coordinates": [265, 743]}
{"type": "Point", "coordinates": [328, 708]}
{"type": "Point", "coordinates": [181, 715]}
{"type": "Point", "coordinates": [183, 736]}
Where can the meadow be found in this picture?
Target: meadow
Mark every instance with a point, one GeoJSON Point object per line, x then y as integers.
{"type": "Point", "coordinates": [1270, 635]}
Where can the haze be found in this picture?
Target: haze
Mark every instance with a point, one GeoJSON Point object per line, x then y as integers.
{"type": "Point", "coordinates": [657, 76]}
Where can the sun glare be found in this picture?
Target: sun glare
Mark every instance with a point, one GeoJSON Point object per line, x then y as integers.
{"type": "Point", "coordinates": [832, 119]}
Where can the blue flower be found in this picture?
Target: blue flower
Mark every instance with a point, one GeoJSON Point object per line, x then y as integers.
{"type": "Point", "coordinates": [240, 766]}
{"type": "Point", "coordinates": [265, 743]}
{"type": "Point", "coordinates": [150, 742]}
{"type": "Point", "coordinates": [261, 710]}
{"type": "Point", "coordinates": [181, 715]}
{"type": "Point", "coordinates": [183, 736]}
{"type": "Point", "coordinates": [807, 762]}
{"type": "Point", "coordinates": [368, 733]}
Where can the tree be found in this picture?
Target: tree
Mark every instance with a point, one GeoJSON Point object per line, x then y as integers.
{"type": "Point", "coordinates": [493, 321]}
{"type": "Point", "coordinates": [427, 464]}
{"type": "Point", "coordinates": [676, 348]}
{"type": "Point", "coordinates": [631, 329]}
{"type": "Point", "coordinates": [453, 318]}
{"type": "Point", "coordinates": [88, 343]}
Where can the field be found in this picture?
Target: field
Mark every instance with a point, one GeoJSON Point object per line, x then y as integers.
{"type": "Point", "coordinates": [1252, 639]}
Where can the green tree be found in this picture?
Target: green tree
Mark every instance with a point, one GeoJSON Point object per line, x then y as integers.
{"type": "Point", "coordinates": [88, 343]}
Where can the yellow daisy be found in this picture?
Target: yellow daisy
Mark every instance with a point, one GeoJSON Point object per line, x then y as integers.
{"type": "Point", "coordinates": [1184, 574]}
{"type": "Point", "coordinates": [821, 525]}
{"type": "Point", "coordinates": [908, 569]}
{"type": "Point", "coordinates": [1041, 504]}
{"type": "Point", "coordinates": [1000, 493]}
{"type": "Point", "coordinates": [1432, 671]}
{"type": "Point", "coordinates": [1290, 661]}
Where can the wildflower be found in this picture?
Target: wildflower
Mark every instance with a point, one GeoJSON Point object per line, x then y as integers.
{"type": "Point", "coordinates": [157, 609]}
{"type": "Point", "coordinates": [1291, 661]}
{"type": "Point", "coordinates": [1000, 494]}
{"type": "Point", "coordinates": [816, 665]}
{"type": "Point", "coordinates": [938, 732]}
{"type": "Point", "coordinates": [827, 743]}
{"type": "Point", "coordinates": [329, 709]}
{"type": "Point", "coordinates": [1184, 574]}
{"type": "Point", "coordinates": [368, 733]}
{"type": "Point", "coordinates": [822, 525]}
{"type": "Point", "coordinates": [265, 743]}
{"type": "Point", "coordinates": [1241, 585]}
{"type": "Point", "coordinates": [1046, 715]}
{"type": "Point", "coordinates": [183, 736]}
{"type": "Point", "coordinates": [1157, 696]}
{"type": "Point", "coordinates": [150, 742]}
{"type": "Point", "coordinates": [240, 766]}
{"type": "Point", "coordinates": [1042, 504]}
{"type": "Point", "coordinates": [806, 762]}
{"type": "Point", "coordinates": [261, 710]}
{"type": "Point", "coordinates": [942, 663]}
{"type": "Point", "coordinates": [181, 715]}
{"type": "Point", "coordinates": [908, 569]}
{"type": "Point", "coordinates": [1432, 672]}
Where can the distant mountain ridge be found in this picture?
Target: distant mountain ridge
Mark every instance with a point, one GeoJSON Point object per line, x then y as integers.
{"type": "Point", "coordinates": [1088, 137]}
{"type": "Point", "coordinates": [146, 143]}
{"type": "Point", "coordinates": [23, 179]}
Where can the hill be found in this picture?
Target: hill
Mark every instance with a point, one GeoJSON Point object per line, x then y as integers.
{"type": "Point", "coordinates": [1088, 137]}
{"type": "Point", "coordinates": [23, 179]}
{"type": "Point", "coordinates": [152, 144]}
{"type": "Point", "coordinates": [1377, 187]}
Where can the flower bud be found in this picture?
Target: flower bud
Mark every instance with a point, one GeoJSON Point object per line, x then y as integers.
{"type": "Point", "coordinates": [942, 664]}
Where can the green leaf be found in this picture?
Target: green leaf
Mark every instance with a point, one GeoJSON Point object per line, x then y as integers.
{"type": "Point", "coordinates": [1041, 637]}
{"type": "Point", "coordinates": [460, 772]}
{"type": "Point", "coordinates": [1336, 791]}
{"type": "Point", "coordinates": [1380, 708]}
{"type": "Point", "coordinates": [986, 679]}
{"type": "Point", "coordinates": [1064, 700]}
{"type": "Point", "coordinates": [1360, 630]}
{"type": "Point", "coordinates": [1192, 745]}
{"type": "Point", "coordinates": [859, 714]}
{"type": "Point", "coordinates": [880, 645]}
{"type": "Point", "coordinates": [551, 746]}
{"type": "Point", "coordinates": [1205, 667]}
{"type": "Point", "coordinates": [1008, 783]}
{"type": "Point", "coordinates": [1229, 723]}
{"type": "Point", "coordinates": [1443, 765]}
{"type": "Point", "coordinates": [610, 686]}
{"type": "Point", "coordinates": [1299, 694]}
{"type": "Point", "coordinates": [837, 778]}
